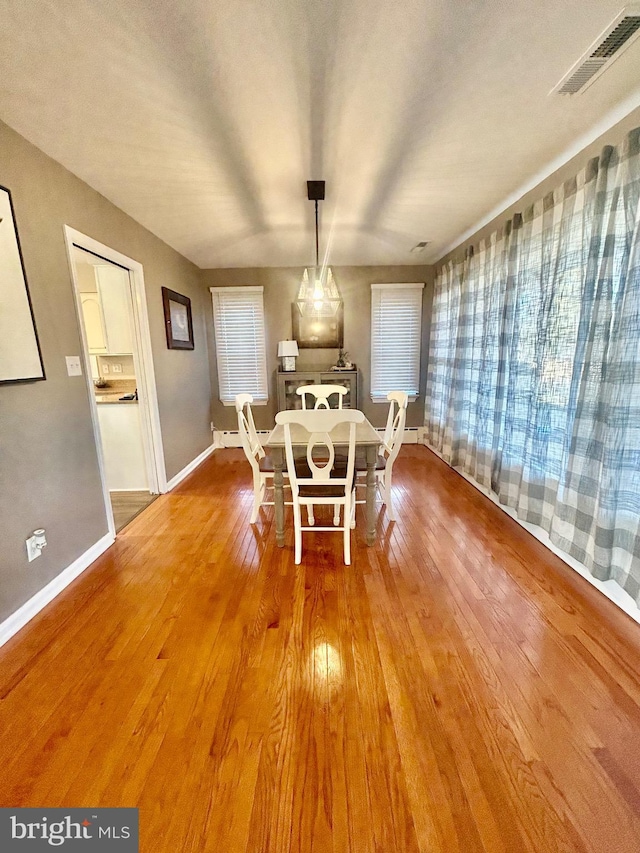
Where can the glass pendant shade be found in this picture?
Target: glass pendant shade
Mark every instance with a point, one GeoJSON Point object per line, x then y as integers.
{"type": "Point", "coordinates": [318, 293]}
{"type": "Point", "coordinates": [317, 315]}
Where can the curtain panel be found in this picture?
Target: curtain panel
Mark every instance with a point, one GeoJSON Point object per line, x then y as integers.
{"type": "Point", "coordinates": [534, 371]}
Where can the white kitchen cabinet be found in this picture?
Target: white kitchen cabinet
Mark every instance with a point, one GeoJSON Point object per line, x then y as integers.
{"type": "Point", "coordinates": [121, 434]}
{"type": "Point", "coordinates": [94, 323]}
{"type": "Point", "coordinates": [115, 298]}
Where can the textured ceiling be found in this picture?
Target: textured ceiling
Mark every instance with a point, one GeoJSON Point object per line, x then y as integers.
{"type": "Point", "coordinates": [203, 120]}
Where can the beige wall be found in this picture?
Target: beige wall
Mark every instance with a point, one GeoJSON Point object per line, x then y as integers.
{"type": "Point", "coordinates": [280, 289]}
{"type": "Point", "coordinates": [48, 467]}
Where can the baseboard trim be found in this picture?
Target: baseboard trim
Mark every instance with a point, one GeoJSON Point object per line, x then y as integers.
{"type": "Point", "coordinates": [39, 601]}
{"type": "Point", "coordinates": [188, 469]}
{"type": "Point", "coordinates": [611, 589]}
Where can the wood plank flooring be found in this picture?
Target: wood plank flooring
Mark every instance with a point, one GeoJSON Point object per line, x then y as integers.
{"type": "Point", "coordinates": [456, 689]}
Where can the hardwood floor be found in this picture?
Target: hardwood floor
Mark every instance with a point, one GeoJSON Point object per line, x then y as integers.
{"type": "Point", "coordinates": [456, 689]}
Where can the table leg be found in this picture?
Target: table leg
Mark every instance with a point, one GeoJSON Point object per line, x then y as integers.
{"type": "Point", "coordinates": [277, 456]}
{"type": "Point", "coordinates": [370, 507]}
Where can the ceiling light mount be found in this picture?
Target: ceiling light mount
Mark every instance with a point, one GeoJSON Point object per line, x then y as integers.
{"type": "Point", "coordinates": [315, 190]}
{"type": "Point", "coordinates": [315, 193]}
{"type": "Point", "coordinates": [318, 294]}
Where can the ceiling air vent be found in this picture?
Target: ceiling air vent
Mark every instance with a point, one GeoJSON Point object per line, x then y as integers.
{"type": "Point", "coordinates": [621, 32]}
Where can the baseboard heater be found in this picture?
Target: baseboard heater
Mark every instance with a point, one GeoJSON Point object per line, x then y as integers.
{"type": "Point", "coordinates": [231, 437]}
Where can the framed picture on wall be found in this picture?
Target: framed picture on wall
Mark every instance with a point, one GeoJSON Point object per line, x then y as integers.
{"type": "Point", "coordinates": [20, 356]}
{"type": "Point", "coordinates": [318, 328]}
{"type": "Point", "coordinates": [177, 319]}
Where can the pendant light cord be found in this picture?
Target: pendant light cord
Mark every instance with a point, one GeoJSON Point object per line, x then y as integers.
{"type": "Point", "coordinates": [317, 250]}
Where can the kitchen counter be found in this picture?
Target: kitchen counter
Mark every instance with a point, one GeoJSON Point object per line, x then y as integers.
{"type": "Point", "coordinates": [113, 390]}
{"type": "Point", "coordinates": [112, 398]}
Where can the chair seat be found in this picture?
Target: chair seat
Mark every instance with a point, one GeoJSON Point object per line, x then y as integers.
{"type": "Point", "coordinates": [361, 463]}
{"type": "Point", "coordinates": [266, 464]}
{"type": "Point", "coordinates": [321, 491]}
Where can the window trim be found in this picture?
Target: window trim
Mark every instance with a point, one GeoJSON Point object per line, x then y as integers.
{"type": "Point", "coordinates": [409, 285]}
{"type": "Point", "coordinates": [262, 401]}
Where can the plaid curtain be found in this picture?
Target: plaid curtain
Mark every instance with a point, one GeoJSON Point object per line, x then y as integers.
{"type": "Point", "coordinates": [534, 370]}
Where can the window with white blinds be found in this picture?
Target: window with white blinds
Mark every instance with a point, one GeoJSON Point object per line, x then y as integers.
{"type": "Point", "coordinates": [396, 330]}
{"type": "Point", "coordinates": [238, 317]}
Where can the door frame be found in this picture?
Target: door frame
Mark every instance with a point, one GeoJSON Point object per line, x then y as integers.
{"type": "Point", "coordinates": [143, 361]}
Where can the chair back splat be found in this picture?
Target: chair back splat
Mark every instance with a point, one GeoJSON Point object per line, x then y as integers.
{"type": "Point", "coordinates": [320, 394]}
{"type": "Point", "coordinates": [247, 428]}
{"type": "Point", "coordinates": [321, 477]}
{"type": "Point", "coordinates": [260, 463]}
{"type": "Point", "coordinates": [390, 447]}
{"type": "Point", "coordinates": [398, 401]}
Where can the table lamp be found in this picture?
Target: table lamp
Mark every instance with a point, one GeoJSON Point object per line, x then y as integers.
{"type": "Point", "coordinates": [287, 351]}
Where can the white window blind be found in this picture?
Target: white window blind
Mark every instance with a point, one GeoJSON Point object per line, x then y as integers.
{"type": "Point", "coordinates": [396, 329]}
{"type": "Point", "coordinates": [238, 316]}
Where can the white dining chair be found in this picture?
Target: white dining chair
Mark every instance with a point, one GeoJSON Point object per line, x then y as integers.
{"type": "Point", "coordinates": [261, 465]}
{"type": "Point", "coordinates": [321, 394]}
{"type": "Point", "coordinates": [389, 449]}
{"type": "Point", "coordinates": [327, 481]}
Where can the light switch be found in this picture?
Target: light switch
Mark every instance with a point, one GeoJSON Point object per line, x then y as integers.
{"type": "Point", "coordinates": [117, 367]}
{"type": "Point", "coordinates": [74, 367]}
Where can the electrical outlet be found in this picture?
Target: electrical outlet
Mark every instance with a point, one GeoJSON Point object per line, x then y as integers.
{"type": "Point", "coordinates": [35, 543]}
{"type": "Point", "coordinates": [117, 367]}
{"type": "Point", "coordinates": [105, 367]}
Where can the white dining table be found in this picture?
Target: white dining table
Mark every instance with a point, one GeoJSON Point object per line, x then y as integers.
{"type": "Point", "coordinates": [366, 438]}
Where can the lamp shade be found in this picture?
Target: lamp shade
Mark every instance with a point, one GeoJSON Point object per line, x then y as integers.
{"type": "Point", "coordinates": [286, 348]}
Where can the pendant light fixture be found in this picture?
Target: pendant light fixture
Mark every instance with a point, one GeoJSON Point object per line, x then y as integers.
{"type": "Point", "coordinates": [318, 294]}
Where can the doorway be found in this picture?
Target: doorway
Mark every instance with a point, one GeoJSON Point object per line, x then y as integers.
{"type": "Point", "coordinates": [109, 290]}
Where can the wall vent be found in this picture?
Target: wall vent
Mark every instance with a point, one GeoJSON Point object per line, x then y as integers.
{"type": "Point", "coordinates": [616, 38]}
